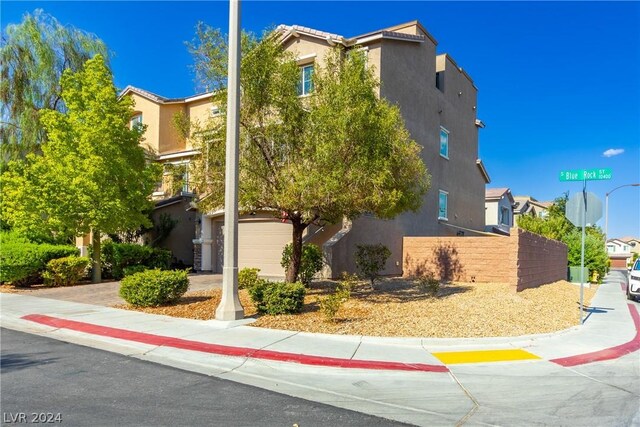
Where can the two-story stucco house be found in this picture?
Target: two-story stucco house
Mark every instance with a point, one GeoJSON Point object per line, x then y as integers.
{"type": "Point", "coordinates": [173, 194]}
{"type": "Point", "coordinates": [438, 101]}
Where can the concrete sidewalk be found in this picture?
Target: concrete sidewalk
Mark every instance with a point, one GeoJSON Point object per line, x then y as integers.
{"type": "Point", "coordinates": [309, 365]}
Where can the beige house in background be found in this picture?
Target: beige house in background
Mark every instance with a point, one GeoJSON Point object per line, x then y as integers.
{"type": "Point", "coordinates": [527, 205]}
{"type": "Point", "coordinates": [438, 101]}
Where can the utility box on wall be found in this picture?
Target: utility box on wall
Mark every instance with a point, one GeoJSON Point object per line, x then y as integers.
{"type": "Point", "coordinates": [574, 275]}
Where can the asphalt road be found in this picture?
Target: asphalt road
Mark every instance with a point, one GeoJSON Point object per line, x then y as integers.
{"type": "Point", "coordinates": [85, 386]}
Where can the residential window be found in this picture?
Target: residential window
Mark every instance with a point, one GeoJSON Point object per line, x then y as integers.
{"type": "Point", "coordinates": [504, 216]}
{"type": "Point", "coordinates": [444, 142]}
{"type": "Point", "coordinates": [443, 197]}
{"type": "Point", "coordinates": [136, 120]}
{"type": "Point", "coordinates": [214, 111]}
{"type": "Point", "coordinates": [440, 81]}
{"type": "Point", "coordinates": [305, 85]}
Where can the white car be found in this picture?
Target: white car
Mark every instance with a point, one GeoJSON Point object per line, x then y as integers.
{"type": "Point", "coordinates": [633, 288]}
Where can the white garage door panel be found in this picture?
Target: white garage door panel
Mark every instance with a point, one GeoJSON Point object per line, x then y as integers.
{"type": "Point", "coordinates": [260, 245]}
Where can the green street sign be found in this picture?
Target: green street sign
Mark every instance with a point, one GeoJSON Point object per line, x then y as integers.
{"type": "Point", "coordinates": [585, 174]}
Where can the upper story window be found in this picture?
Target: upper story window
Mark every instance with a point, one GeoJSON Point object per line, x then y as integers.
{"type": "Point", "coordinates": [440, 81]}
{"type": "Point", "coordinates": [444, 142]}
{"type": "Point", "coordinates": [136, 120]}
{"type": "Point", "coordinates": [305, 85]}
{"type": "Point", "coordinates": [504, 216]}
{"type": "Point", "coordinates": [443, 200]}
{"type": "Point", "coordinates": [214, 111]}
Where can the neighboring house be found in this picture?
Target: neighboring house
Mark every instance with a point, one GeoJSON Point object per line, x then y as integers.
{"type": "Point", "coordinates": [634, 244]}
{"type": "Point", "coordinates": [499, 205]}
{"type": "Point", "coordinates": [619, 253]}
{"type": "Point", "coordinates": [527, 205]}
{"type": "Point", "coordinates": [173, 194]}
{"type": "Point", "coordinates": [438, 101]}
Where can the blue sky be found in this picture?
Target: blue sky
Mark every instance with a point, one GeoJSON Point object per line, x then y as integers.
{"type": "Point", "coordinates": [559, 83]}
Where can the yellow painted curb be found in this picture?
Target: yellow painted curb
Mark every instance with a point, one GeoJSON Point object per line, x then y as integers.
{"type": "Point", "coordinates": [482, 356]}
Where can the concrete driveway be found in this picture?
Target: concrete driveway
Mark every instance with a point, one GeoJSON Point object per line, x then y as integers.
{"type": "Point", "coordinates": [106, 293]}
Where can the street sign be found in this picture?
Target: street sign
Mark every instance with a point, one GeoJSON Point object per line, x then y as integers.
{"type": "Point", "coordinates": [576, 206]}
{"type": "Point", "coordinates": [585, 174]}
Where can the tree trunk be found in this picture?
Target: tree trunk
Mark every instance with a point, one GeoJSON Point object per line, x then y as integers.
{"type": "Point", "coordinates": [96, 265]}
{"type": "Point", "coordinates": [296, 250]}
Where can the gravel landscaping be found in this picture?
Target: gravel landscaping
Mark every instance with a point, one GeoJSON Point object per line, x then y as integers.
{"type": "Point", "coordinates": [399, 307]}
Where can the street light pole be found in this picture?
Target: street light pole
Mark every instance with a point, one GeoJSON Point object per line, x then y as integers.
{"type": "Point", "coordinates": [606, 210]}
{"type": "Point", "coordinates": [230, 307]}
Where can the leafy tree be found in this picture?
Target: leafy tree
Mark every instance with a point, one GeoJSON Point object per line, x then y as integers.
{"type": "Point", "coordinates": [338, 153]}
{"type": "Point", "coordinates": [92, 176]}
{"type": "Point", "coordinates": [33, 56]}
{"type": "Point", "coordinates": [556, 226]}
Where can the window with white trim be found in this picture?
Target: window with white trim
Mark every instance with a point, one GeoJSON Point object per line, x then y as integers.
{"type": "Point", "coordinates": [136, 120]}
{"type": "Point", "coordinates": [305, 85]}
{"type": "Point", "coordinates": [444, 142]}
{"type": "Point", "coordinates": [443, 197]}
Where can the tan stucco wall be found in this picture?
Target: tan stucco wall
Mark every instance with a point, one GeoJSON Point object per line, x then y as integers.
{"type": "Point", "coordinates": [151, 118]}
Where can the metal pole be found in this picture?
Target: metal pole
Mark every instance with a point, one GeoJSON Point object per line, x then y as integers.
{"type": "Point", "coordinates": [584, 221]}
{"type": "Point", "coordinates": [606, 220]}
{"type": "Point", "coordinates": [230, 307]}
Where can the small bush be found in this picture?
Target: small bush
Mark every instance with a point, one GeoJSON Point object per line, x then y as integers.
{"type": "Point", "coordinates": [152, 288]}
{"type": "Point", "coordinates": [22, 264]}
{"type": "Point", "coordinates": [370, 260]}
{"type": "Point", "coordinates": [248, 278]}
{"type": "Point", "coordinates": [310, 264]}
{"type": "Point", "coordinates": [429, 283]}
{"type": "Point", "coordinates": [65, 271]}
{"type": "Point", "coordinates": [116, 256]}
{"type": "Point", "coordinates": [331, 305]}
{"type": "Point", "coordinates": [133, 269]}
{"type": "Point", "coordinates": [278, 297]}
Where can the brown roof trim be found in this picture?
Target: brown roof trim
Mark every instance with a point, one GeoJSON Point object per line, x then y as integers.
{"type": "Point", "coordinates": [395, 28]}
{"type": "Point", "coordinates": [483, 171]}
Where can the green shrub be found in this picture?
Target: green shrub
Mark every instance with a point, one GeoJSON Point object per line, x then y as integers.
{"type": "Point", "coordinates": [428, 283]}
{"type": "Point", "coordinates": [331, 304]}
{"type": "Point", "coordinates": [116, 256]}
{"type": "Point", "coordinates": [133, 269]}
{"type": "Point", "coordinates": [65, 271]}
{"type": "Point", "coordinates": [370, 260]}
{"type": "Point", "coordinates": [22, 264]}
{"type": "Point", "coordinates": [152, 288]}
{"type": "Point", "coordinates": [310, 264]}
{"type": "Point", "coordinates": [248, 278]}
{"type": "Point", "coordinates": [278, 297]}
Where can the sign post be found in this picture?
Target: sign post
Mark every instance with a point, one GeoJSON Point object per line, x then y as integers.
{"type": "Point", "coordinates": [583, 209]}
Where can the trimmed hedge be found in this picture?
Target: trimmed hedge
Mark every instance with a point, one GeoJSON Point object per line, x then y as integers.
{"type": "Point", "coordinates": [248, 278]}
{"type": "Point", "coordinates": [116, 256]}
{"type": "Point", "coordinates": [278, 297]}
{"type": "Point", "coordinates": [22, 264]}
{"type": "Point", "coordinates": [152, 288]}
{"type": "Point", "coordinates": [133, 269]}
{"type": "Point", "coordinates": [65, 271]}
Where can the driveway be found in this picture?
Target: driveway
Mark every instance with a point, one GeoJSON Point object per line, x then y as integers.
{"type": "Point", "coordinates": [106, 293]}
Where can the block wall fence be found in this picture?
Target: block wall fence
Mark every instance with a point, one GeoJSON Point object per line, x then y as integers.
{"type": "Point", "coordinates": [523, 259]}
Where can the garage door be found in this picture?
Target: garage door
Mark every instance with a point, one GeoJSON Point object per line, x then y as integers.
{"type": "Point", "coordinates": [618, 262]}
{"type": "Point", "coordinates": [260, 245]}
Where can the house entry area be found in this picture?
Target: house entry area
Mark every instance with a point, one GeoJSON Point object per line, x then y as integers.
{"type": "Point", "coordinates": [260, 244]}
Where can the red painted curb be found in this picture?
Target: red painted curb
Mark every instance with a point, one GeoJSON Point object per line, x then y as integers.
{"type": "Point", "coordinates": [607, 353]}
{"type": "Point", "coordinates": [225, 350]}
